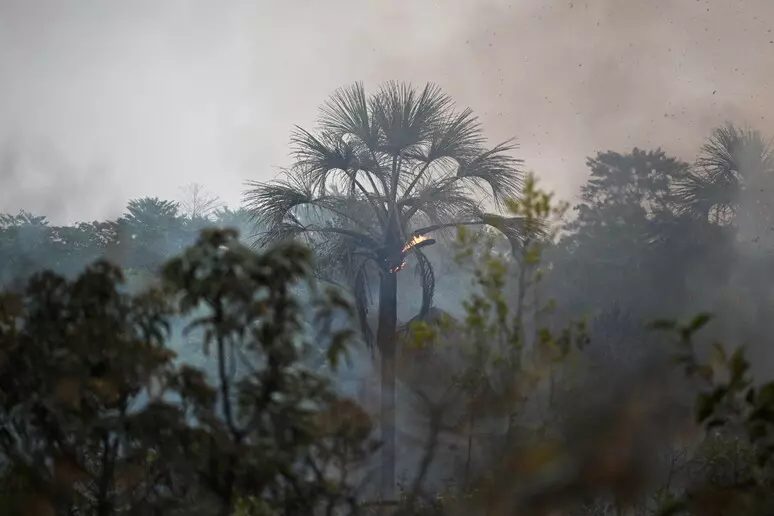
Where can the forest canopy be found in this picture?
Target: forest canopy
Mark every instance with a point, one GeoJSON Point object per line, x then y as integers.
{"type": "Point", "coordinates": [531, 356]}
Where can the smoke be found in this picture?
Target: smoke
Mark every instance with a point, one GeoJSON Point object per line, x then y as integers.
{"type": "Point", "coordinates": [168, 93]}
{"type": "Point", "coordinates": [39, 179]}
{"type": "Point", "coordinates": [163, 94]}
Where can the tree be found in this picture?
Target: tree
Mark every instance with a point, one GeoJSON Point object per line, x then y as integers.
{"type": "Point", "coordinates": [150, 215]}
{"type": "Point", "coordinates": [729, 189]}
{"type": "Point", "coordinates": [734, 167]}
{"type": "Point", "coordinates": [29, 243]}
{"type": "Point", "coordinates": [197, 202]}
{"type": "Point", "coordinates": [96, 419]}
{"type": "Point", "coordinates": [150, 231]}
{"type": "Point", "coordinates": [239, 219]}
{"type": "Point", "coordinates": [25, 240]}
{"type": "Point", "coordinates": [616, 244]}
{"type": "Point", "coordinates": [381, 173]}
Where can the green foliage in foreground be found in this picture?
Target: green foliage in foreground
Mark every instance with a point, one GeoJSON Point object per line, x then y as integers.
{"type": "Point", "coordinates": [96, 419]}
{"type": "Point", "coordinates": [730, 404]}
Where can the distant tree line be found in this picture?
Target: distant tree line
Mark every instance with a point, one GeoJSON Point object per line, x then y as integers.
{"type": "Point", "coordinates": [150, 231]}
{"type": "Point", "coordinates": [387, 186]}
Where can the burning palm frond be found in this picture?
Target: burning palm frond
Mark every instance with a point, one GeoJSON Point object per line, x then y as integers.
{"type": "Point", "coordinates": [414, 243]}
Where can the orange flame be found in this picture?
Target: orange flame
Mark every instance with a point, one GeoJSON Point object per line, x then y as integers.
{"type": "Point", "coordinates": [414, 241]}
{"type": "Point", "coordinates": [398, 268]}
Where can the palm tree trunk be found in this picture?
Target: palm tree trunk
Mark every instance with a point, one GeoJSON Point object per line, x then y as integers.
{"type": "Point", "coordinates": [385, 341]}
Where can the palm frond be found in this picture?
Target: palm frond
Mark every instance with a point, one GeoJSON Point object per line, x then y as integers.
{"type": "Point", "coordinates": [271, 202]}
{"type": "Point", "coordinates": [456, 135]}
{"type": "Point", "coordinates": [733, 152]}
{"type": "Point", "coordinates": [456, 138]}
{"type": "Point", "coordinates": [496, 169]}
{"type": "Point", "coordinates": [329, 156]}
{"type": "Point", "coordinates": [407, 117]}
{"type": "Point", "coordinates": [518, 230]}
{"type": "Point", "coordinates": [320, 156]}
{"type": "Point", "coordinates": [273, 205]}
{"type": "Point", "coordinates": [338, 260]}
{"type": "Point", "coordinates": [719, 155]}
{"type": "Point", "coordinates": [731, 161]}
{"type": "Point", "coordinates": [698, 194]}
{"type": "Point", "coordinates": [440, 202]}
{"type": "Point", "coordinates": [347, 113]}
{"type": "Point", "coordinates": [424, 269]}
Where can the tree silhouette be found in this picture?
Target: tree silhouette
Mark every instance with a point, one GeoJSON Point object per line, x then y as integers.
{"type": "Point", "coordinates": [149, 231]}
{"type": "Point", "coordinates": [379, 174]}
{"type": "Point", "coordinates": [196, 202]}
{"type": "Point", "coordinates": [735, 166]}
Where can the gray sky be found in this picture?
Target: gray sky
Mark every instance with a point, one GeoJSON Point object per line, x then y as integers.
{"type": "Point", "coordinates": [101, 101]}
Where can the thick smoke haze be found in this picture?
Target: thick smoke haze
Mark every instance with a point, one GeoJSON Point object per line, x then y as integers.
{"type": "Point", "coordinates": [127, 99]}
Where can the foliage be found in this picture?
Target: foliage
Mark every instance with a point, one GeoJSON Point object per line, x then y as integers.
{"type": "Point", "coordinates": [379, 175]}
{"type": "Point", "coordinates": [625, 236]}
{"type": "Point", "coordinates": [734, 164]}
{"type": "Point", "coordinates": [729, 404]}
{"type": "Point", "coordinates": [379, 170]}
{"type": "Point", "coordinates": [495, 363]}
{"type": "Point", "coordinates": [151, 231]}
{"type": "Point", "coordinates": [95, 418]}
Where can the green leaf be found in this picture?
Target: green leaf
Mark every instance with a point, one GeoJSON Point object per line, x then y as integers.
{"type": "Point", "coordinates": [699, 322]}
{"type": "Point", "coordinates": [706, 403]}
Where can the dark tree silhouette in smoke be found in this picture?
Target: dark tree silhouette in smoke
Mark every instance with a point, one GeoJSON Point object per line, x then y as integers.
{"type": "Point", "coordinates": [736, 165]}
{"type": "Point", "coordinates": [379, 171]}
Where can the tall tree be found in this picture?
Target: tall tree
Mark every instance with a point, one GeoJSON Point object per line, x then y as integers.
{"type": "Point", "coordinates": [731, 180]}
{"type": "Point", "coordinates": [26, 244]}
{"type": "Point", "coordinates": [612, 248]}
{"type": "Point", "coordinates": [196, 202]}
{"type": "Point", "coordinates": [150, 231]}
{"type": "Point", "coordinates": [729, 188]}
{"type": "Point", "coordinates": [379, 174]}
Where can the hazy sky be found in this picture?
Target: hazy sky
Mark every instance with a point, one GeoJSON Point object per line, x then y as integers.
{"type": "Point", "coordinates": [105, 100]}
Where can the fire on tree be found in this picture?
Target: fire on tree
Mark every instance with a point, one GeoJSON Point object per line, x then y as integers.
{"type": "Point", "coordinates": [416, 242]}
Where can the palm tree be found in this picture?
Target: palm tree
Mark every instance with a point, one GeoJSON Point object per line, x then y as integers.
{"type": "Point", "coordinates": [382, 172]}
{"type": "Point", "coordinates": [733, 167]}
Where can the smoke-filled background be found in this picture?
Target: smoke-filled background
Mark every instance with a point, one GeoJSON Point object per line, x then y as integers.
{"type": "Point", "coordinates": [105, 101]}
